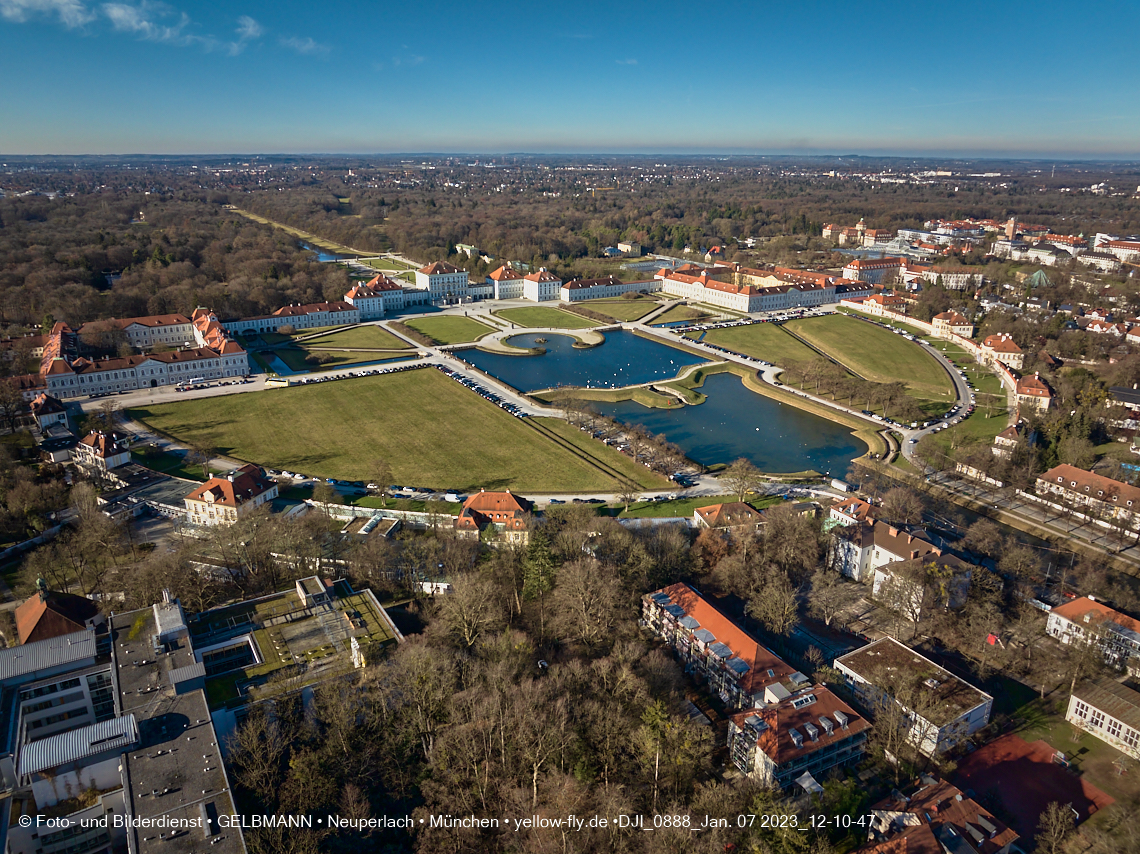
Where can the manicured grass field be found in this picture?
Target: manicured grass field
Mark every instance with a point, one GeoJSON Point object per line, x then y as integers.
{"type": "Point", "coordinates": [450, 330]}
{"type": "Point", "coordinates": [623, 309]}
{"type": "Point", "coordinates": [679, 313]}
{"type": "Point", "coordinates": [360, 337]}
{"type": "Point", "coordinates": [431, 431]}
{"type": "Point", "coordinates": [543, 317]}
{"type": "Point", "coordinates": [876, 354]}
{"type": "Point", "coordinates": [765, 341]}
{"type": "Point", "coordinates": [341, 358]}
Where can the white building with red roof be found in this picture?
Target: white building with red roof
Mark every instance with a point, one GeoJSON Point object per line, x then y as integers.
{"type": "Point", "coordinates": [101, 452]}
{"type": "Point", "coordinates": [1034, 394]}
{"type": "Point", "coordinates": [608, 287]}
{"type": "Point", "coordinates": [143, 333]}
{"type": "Point", "coordinates": [444, 283]}
{"type": "Point", "coordinates": [506, 283]}
{"type": "Point", "coordinates": [498, 515]}
{"type": "Point", "coordinates": [952, 323]}
{"type": "Point", "coordinates": [1089, 621]}
{"type": "Point", "coordinates": [224, 500]}
{"type": "Point", "coordinates": [376, 297]}
{"type": "Point", "coordinates": [541, 286]}
{"type": "Point", "coordinates": [1099, 495]}
{"type": "Point", "coordinates": [1002, 348]}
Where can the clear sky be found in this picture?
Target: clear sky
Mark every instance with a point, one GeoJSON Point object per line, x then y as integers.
{"type": "Point", "coordinates": [207, 76]}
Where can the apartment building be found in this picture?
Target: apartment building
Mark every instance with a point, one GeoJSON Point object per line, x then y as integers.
{"type": "Point", "coordinates": [940, 709]}
{"type": "Point", "coordinates": [1093, 493]}
{"type": "Point", "coordinates": [1089, 621]}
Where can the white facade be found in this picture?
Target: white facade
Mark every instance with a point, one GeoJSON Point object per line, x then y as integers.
{"type": "Point", "coordinates": [443, 283]}
{"type": "Point", "coordinates": [927, 736]}
{"type": "Point", "coordinates": [580, 291]}
{"type": "Point", "coordinates": [541, 286]}
{"type": "Point", "coordinates": [1110, 711]}
{"type": "Point", "coordinates": [137, 372]}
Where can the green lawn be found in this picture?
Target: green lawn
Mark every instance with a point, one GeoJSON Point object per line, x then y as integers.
{"type": "Point", "coordinates": [765, 341]}
{"type": "Point", "coordinates": [430, 430]}
{"type": "Point", "coordinates": [543, 317]}
{"type": "Point", "coordinates": [359, 337]}
{"type": "Point", "coordinates": [679, 313]}
{"type": "Point", "coordinates": [623, 309]}
{"type": "Point", "coordinates": [449, 329]}
{"type": "Point", "coordinates": [171, 464]}
{"type": "Point", "coordinates": [340, 358]}
{"type": "Point", "coordinates": [876, 354]}
{"type": "Point", "coordinates": [293, 357]}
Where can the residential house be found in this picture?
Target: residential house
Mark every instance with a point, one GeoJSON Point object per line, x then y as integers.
{"type": "Point", "coordinates": [952, 323]}
{"type": "Point", "coordinates": [1008, 440]}
{"type": "Point", "coordinates": [1089, 621]}
{"type": "Point", "coordinates": [851, 511]}
{"type": "Point", "coordinates": [48, 410]}
{"type": "Point", "coordinates": [1108, 710]}
{"type": "Point", "coordinates": [498, 515]}
{"type": "Point", "coordinates": [1002, 348]}
{"type": "Point", "coordinates": [797, 739]}
{"type": "Point", "coordinates": [909, 586]}
{"type": "Point", "coordinates": [1033, 394]}
{"type": "Point", "coordinates": [224, 500]}
{"type": "Point", "coordinates": [101, 452]}
{"type": "Point", "coordinates": [933, 819]}
{"type": "Point", "coordinates": [735, 516]}
{"type": "Point", "coordinates": [1093, 493]}
{"type": "Point", "coordinates": [940, 709]}
{"type": "Point", "coordinates": [879, 304]}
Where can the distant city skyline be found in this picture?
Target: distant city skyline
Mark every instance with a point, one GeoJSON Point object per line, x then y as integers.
{"type": "Point", "coordinates": [830, 78]}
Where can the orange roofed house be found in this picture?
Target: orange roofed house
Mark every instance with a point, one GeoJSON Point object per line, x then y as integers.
{"type": "Point", "coordinates": [1002, 348]}
{"type": "Point", "coordinates": [784, 730]}
{"type": "Point", "coordinates": [223, 500]}
{"type": "Point", "coordinates": [497, 515]}
{"type": "Point", "coordinates": [732, 515]}
{"type": "Point", "coordinates": [935, 818]}
{"type": "Point", "coordinates": [51, 614]}
{"type": "Point", "coordinates": [1117, 634]}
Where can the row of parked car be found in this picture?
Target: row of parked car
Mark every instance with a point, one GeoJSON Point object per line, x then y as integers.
{"type": "Point", "coordinates": [483, 391]}
{"type": "Point", "coordinates": [365, 373]}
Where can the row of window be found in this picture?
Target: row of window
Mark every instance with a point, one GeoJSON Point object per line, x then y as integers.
{"type": "Point", "coordinates": [1096, 720]}
{"type": "Point", "coordinates": [43, 690]}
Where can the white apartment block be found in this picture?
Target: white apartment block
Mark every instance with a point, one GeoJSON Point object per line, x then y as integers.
{"type": "Point", "coordinates": [941, 709]}
{"type": "Point", "coordinates": [1088, 620]}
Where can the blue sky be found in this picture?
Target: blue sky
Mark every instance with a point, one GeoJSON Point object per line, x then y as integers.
{"type": "Point", "coordinates": [971, 78]}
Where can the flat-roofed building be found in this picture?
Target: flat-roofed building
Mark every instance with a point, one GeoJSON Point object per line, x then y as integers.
{"type": "Point", "coordinates": [940, 709]}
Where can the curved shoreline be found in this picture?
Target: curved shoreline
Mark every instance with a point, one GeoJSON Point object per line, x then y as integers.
{"type": "Point", "coordinates": [496, 342]}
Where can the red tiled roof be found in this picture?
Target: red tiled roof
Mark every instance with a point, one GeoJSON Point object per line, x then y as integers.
{"type": "Point", "coordinates": [776, 740]}
{"type": "Point", "coordinates": [503, 508]}
{"type": "Point", "coordinates": [731, 514]}
{"type": "Point", "coordinates": [1076, 610]}
{"type": "Point", "coordinates": [759, 660]}
{"type": "Point", "coordinates": [313, 308]}
{"type": "Point", "coordinates": [1088, 483]}
{"type": "Point", "coordinates": [439, 268]}
{"type": "Point", "coordinates": [1033, 386]}
{"type": "Point", "coordinates": [248, 482]}
{"type": "Point", "coordinates": [102, 444]}
{"type": "Point", "coordinates": [59, 614]}
{"type": "Point", "coordinates": [1001, 344]}
{"type": "Point", "coordinates": [505, 274]}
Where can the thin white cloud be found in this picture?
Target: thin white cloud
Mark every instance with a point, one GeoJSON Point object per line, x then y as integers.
{"type": "Point", "coordinates": [144, 21]}
{"type": "Point", "coordinates": [305, 46]}
{"type": "Point", "coordinates": [626, 61]}
{"type": "Point", "coordinates": [71, 13]}
{"type": "Point", "coordinates": [248, 30]}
